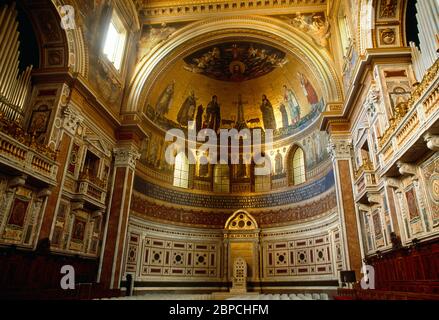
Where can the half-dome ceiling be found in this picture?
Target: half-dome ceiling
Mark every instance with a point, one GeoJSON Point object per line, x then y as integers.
{"type": "Point", "coordinates": [240, 74]}
{"type": "Point", "coordinates": [235, 61]}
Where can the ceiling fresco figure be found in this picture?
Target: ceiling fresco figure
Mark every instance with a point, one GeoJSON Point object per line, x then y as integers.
{"type": "Point", "coordinates": [284, 114]}
{"type": "Point", "coordinates": [268, 114]}
{"type": "Point", "coordinates": [241, 123]}
{"type": "Point", "coordinates": [213, 114]}
{"type": "Point", "coordinates": [187, 110]}
{"type": "Point", "coordinates": [293, 106]}
{"type": "Point", "coordinates": [308, 90]}
{"type": "Point", "coordinates": [199, 118]}
{"type": "Point", "coordinates": [165, 100]}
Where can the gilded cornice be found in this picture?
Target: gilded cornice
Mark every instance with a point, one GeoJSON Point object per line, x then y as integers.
{"type": "Point", "coordinates": [178, 11]}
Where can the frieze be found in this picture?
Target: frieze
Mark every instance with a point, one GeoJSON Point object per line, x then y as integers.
{"type": "Point", "coordinates": [271, 200]}
{"type": "Point", "coordinates": [317, 208]}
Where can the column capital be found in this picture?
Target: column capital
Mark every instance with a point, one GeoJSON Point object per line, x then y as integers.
{"type": "Point", "coordinates": [72, 119]}
{"type": "Point", "coordinates": [339, 148]}
{"type": "Point", "coordinates": [432, 141]}
{"type": "Point", "coordinates": [126, 156]}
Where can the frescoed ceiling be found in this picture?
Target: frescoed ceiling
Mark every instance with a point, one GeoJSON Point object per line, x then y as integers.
{"type": "Point", "coordinates": [235, 61]}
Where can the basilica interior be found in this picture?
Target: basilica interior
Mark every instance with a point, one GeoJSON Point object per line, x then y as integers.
{"type": "Point", "coordinates": [347, 91]}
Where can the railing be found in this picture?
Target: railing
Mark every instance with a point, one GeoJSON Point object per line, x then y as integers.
{"type": "Point", "coordinates": [365, 181]}
{"type": "Point", "coordinates": [92, 187]}
{"type": "Point", "coordinates": [20, 151]}
{"type": "Point", "coordinates": [365, 178]}
{"type": "Point", "coordinates": [413, 117]}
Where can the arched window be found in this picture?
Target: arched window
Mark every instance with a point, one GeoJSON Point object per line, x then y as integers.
{"type": "Point", "coordinates": [297, 167]}
{"type": "Point", "coordinates": [221, 180]}
{"type": "Point", "coordinates": [181, 171]}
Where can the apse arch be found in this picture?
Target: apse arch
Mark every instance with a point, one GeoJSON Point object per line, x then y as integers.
{"type": "Point", "coordinates": [270, 30]}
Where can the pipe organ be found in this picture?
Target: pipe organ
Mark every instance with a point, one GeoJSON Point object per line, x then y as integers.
{"type": "Point", "coordinates": [428, 26]}
{"type": "Point", "coordinates": [15, 86]}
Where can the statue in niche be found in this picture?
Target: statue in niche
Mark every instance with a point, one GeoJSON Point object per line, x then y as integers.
{"type": "Point", "coordinates": [268, 114]}
{"type": "Point", "coordinates": [279, 167]}
{"type": "Point", "coordinates": [187, 110]}
{"type": "Point", "coordinates": [284, 114]}
{"type": "Point", "coordinates": [308, 90]}
{"type": "Point", "coordinates": [293, 106]}
{"type": "Point", "coordinates": [199, 118]}
{"type": "Point", "coordinates": [213, 114]}
{"type": "Point", "coordinates": [165, 100]}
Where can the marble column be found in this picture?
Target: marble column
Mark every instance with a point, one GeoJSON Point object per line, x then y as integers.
{"type": "Point", "coordinates": [110, 269]}
{"type": "Point", "coordinates": [340, 151]}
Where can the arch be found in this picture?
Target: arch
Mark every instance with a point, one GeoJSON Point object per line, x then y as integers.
{"type": "Point", "coordinates": [269, 30]}
{"type": "Point", "coordinates": [241, 220]}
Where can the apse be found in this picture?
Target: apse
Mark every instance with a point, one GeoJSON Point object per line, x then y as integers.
{"type": "Point", "coordinates": [240, 74]}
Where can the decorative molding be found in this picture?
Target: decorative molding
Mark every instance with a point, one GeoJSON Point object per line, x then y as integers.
{"type": "Point", "coordinates": [172, 11]}
{"type": "Point", "coordinates": [18, 181]}
{"type": "Point", "coordinates": [72, 119]}
{"type": "Point", "coordinates": [432, 141]}
{"type": "Point", "coordinates": [340, 149]}
{"type": "Point", "coordinates": [406, 168]}
{"type": "Point", "coordinates": [393, 182]}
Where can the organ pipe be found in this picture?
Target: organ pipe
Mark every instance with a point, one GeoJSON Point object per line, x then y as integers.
{"type": "Point", "coordinates": [428, 25]}
{"type": "Point", "coordinates": [15, 86]}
